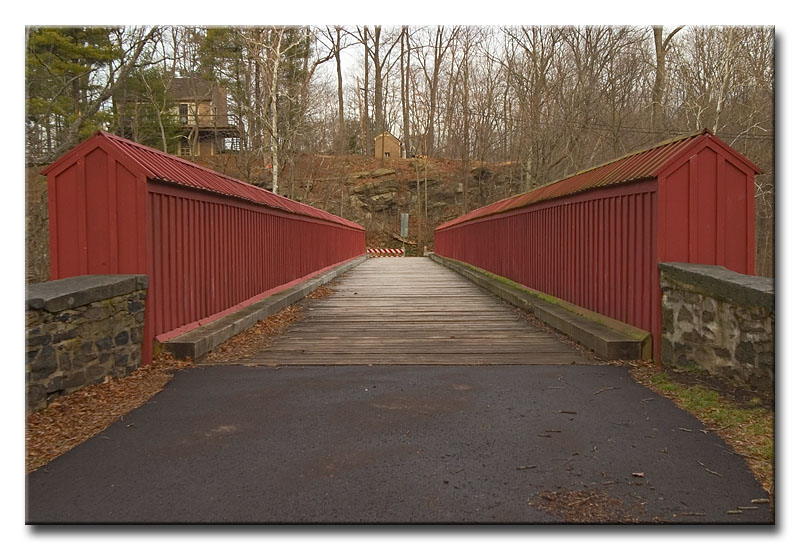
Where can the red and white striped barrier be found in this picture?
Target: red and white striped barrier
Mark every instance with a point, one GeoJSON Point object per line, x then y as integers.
{"type": "Point", "coordinates": [384, 252]}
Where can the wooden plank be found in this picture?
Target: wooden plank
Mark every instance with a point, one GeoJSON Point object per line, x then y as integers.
{"type": "Point", "coordinates": [277, 360]}
{"type": "Point", "coordinates": [411, 338]}
{"type": "Point", "coordinates": [412, 311]}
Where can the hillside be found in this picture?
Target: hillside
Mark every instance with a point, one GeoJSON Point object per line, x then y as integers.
{"type": "Point", "coordinates": [373, 192]}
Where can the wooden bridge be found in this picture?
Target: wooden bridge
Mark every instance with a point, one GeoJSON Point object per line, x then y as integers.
{"type": "Point", "coordinates": [412, 311]}
{"type": "Point", "coordinates": [211, 245]}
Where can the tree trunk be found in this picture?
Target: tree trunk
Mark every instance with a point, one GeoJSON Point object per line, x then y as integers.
{"type": "Point", "coordinates": [657, 116]}
{"type": "Point", "coordinates": [465, 130]}
{"type": "Point", "coordinates": [365, 120]}
{"type": "Point", "coordinates": [362, 133]}
{"type": "Point", "coordinates": [404, 88]}
{"type": "Point", "coordinates": [340, 90]}
{"type": "Point", "coordinates": [256, 137]}
{"type": "Point", "coordinates": [426, 200]}
{"type": "Point", "coordinates": [274, 129]}
{"type": "Point", "coordinates": [419, 214]}
{"type": "Point", "coordinates": [378, 106]}
{"type": "Point", "coordinates": [657, 110]}
{"type": "Point", "coordinates": [529, 170]}
{"type": "Point", "coordinates": [439, 50]}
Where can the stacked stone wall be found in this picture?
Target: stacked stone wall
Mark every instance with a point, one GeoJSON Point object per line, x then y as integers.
{"type": "Point", "coordinates": [719, 321]}
{"type": "Point", "coordinates": [80, 330]}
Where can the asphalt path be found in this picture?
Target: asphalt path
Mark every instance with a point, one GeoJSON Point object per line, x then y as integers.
{"type": "Point", "coordinates": [500, 444]}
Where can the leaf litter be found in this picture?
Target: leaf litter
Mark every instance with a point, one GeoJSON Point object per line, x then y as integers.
{"type": "Point", "coordinates": [71, 419]}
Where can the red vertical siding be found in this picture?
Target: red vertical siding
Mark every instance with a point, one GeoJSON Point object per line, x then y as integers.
{"type": "Point", "coordinates": [207, 246]}
{"type": "Point", "coordinates": [212, 253]}
{"type": "Point", "coordinates": [599, 248]}
{"type": "Point", "coordinates": [95, 211]}
{"type": "Point", "coordinates": [706, 210]}
{"type": "Point", "coordinates": [677, 208]}
{"type": "Point", "coordinates": [64, 220]}
{"type": "Point", "coordinates": [736, 224]}
{"type": "Point", "coordinates": [592, 249]}
{"type": "Point", "coordinates": [98, 206]}
{"type": "Point", "coordinates": [706, 184]}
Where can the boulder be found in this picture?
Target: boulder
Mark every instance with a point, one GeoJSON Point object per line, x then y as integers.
{"type": "Point", "coordinates": [381, 172]}
{"type": "Point", "coordinates": [372, 188]}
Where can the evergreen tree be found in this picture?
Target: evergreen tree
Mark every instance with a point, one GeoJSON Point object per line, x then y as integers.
{"type": "Point", "coordinates": [61, 79]}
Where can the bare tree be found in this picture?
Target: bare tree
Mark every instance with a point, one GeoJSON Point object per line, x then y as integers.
{"type": "Point", "coordinates": [439, 42]}
{"type": "Point", "coordinates": [377, 54]}
{"type": "Point", "coordinates": [529, 59]}
{"type": "Point", "coordinates": [662, 46]}
{"type": "Point", "coordinates": [335, 36]}
{"type": "Point", "coordinates": [405, 73]}
{"type": "Point", "coordinates": [465, 106]}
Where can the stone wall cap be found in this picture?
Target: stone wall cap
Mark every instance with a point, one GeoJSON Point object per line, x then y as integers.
{"type": "Point", "coordinates": [73, 292]}
{"type": "Point", "coordinates": [720, 282]}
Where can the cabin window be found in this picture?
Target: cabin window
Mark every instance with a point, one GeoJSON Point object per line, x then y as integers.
{"type": "Point", "coordinates": [183, 113]}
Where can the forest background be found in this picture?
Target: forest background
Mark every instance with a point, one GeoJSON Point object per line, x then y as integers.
{"type": "Point", "coordinates": [485, 111]}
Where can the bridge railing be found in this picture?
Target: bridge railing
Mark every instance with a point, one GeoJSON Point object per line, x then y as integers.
{"type": "Point", "coordinates": [208, 243]}
{"type": "Point", "coordinates": [208, 253]}
{"type": "Point", "coordinates": [596, 250]}
{"type": "Point", "coordinates": [595, 238]}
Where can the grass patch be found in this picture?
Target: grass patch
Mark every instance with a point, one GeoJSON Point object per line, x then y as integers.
{"type": "Point", "coordinates": [749, 427]}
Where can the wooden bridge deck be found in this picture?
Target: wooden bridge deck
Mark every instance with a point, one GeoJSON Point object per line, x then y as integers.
{"type": "Point", "coordinates": [412, 311]}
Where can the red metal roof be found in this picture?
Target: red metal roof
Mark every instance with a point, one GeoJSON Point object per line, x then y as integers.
{"type": "Point", "coordinates": [157, 165]}
{"type": "Point", "coordinates": [632, 167]}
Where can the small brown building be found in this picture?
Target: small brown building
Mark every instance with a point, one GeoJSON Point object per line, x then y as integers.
{"type": "Point", "coordinates": [387, 146]}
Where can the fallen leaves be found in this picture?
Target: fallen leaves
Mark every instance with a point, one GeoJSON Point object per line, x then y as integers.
{"type": "Point", "coordinates": [257, 337]}
{"type": "Point", "coordinates": [584, 507]}
{"type": "Point", "coordinates": [73, 418]}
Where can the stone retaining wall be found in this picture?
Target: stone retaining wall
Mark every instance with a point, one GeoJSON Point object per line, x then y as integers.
{"type": "Point", "coordinates": [720, 321]}
{"type": "Point", "coordinates": [80, 330]}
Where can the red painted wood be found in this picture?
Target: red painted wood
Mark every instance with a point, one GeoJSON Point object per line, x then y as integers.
{"type": "Point", "coordinates": [113, 209]}
{"type": "Point", "coordinates": [80, 215]}
{"type": "Point", "coordinates": [720, 213]}
{"type": "Point", "coordinates": [65, 258]}
{"type": "Point", "coordinates": [751, 224]}
{"type": "Point", "coordinates": [98, 249]}
{"type": "Point", "coordinates": [600, 247]}
{"type": "Point", "coordinates": [309, 248]}
{"type": "Point", "coordinates": [705, 197]}
{"type": "Point", "coordinates": [208, 243]}
{"type": "Point", "coordinates": [736, 224]}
